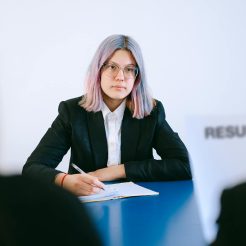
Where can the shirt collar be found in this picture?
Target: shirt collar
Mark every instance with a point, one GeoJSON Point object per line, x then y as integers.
{"type": "Point", "coordinates": [119, 112]}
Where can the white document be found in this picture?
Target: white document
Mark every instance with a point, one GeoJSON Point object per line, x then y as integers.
{"type": "Point", "coordinates": [117, 191]}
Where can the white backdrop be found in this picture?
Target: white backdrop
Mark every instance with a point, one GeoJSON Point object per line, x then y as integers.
{"type": "Point", "coordinates": [194, 54]}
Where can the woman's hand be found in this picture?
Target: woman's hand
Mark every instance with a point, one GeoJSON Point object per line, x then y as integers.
{"type": "Point", "coordinates": [110, 173]}
{"type": "Point", "coordinates": [80, 184]}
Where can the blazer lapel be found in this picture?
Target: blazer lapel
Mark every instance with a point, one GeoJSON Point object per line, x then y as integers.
{"type": "Point", "coordinates": [98, 138]}
{"type": "Point", "coordinates": [130, 130]}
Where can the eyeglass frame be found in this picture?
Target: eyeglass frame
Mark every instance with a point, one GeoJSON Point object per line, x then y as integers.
{"type": "Point", "coordinates": [120, 68]}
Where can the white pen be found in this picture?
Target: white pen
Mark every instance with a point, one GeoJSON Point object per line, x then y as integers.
{"type": "Point", "coordinates": [77, 168]}
{"type": "Point", "coordinates": [81, 171]}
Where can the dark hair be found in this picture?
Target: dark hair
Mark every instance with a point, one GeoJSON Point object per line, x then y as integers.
{"type": "Point", "coordinates": [34, 213]}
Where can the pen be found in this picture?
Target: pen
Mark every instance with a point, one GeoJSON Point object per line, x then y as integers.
{"type": "Point", "coordinates": [80, 171]}
{"type": "Point", "coordinates": [77, 168]}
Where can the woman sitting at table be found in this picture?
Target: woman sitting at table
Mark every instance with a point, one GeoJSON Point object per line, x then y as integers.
{"type": "Point", "coordinates": [112, 129]}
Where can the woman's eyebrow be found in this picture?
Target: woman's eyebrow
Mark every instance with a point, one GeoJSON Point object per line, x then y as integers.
{"type": "Point", "coordinates": [130, 64]}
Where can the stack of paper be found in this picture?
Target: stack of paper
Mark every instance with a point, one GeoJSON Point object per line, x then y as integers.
{"type": "Point", "coordinates": [119, 190]}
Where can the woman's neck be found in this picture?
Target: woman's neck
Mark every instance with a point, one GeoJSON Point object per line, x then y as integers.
{"type": "Point", "coordinates": [112, 104]}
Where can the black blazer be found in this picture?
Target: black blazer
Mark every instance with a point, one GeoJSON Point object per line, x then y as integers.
{"type": "Point", "coordinates": [84, 133]}
{"type": "Point", "coordinates": [232, 219]}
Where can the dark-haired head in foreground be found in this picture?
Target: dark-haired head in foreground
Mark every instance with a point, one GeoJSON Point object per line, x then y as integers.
{"type": "Point", "coordinates": [33, 213]}
{"type": "Point", "coordinates": [232, 219]}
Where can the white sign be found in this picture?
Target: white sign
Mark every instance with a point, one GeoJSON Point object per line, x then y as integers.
{"type": "Point", "coordinates": [217, 150]}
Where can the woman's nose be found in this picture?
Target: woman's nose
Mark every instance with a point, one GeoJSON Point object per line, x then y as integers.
{"type": "Point", "coordinates": [120, 75]}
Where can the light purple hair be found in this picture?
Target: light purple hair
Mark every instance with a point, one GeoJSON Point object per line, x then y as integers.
{"type": "Point", "coordinates": [139, 101]}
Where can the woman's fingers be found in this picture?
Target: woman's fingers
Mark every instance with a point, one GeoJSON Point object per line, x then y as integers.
{"type": "Point", "coordinates": [93, 181]}
{"type": "Point", "coordinates": [86, 190]}
{"type": "Point", "coordinates": [83, 184]}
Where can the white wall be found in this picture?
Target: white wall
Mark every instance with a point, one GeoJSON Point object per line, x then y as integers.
{"type": "Point", "coordinates": [194, 53]}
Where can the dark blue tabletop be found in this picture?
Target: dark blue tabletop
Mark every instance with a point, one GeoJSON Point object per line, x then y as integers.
{"type": "Point", "coordinates": [169, 219]}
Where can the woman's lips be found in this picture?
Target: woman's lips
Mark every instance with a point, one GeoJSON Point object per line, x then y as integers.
{"type": "Point", "coordinates": [119, 87]}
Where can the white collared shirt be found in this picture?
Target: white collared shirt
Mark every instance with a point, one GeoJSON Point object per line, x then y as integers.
{"type": "Point", "coordinates": [112, 122]}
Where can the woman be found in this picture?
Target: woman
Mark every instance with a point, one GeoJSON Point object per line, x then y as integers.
{"type": "Point", "coordinates": [112, 129]}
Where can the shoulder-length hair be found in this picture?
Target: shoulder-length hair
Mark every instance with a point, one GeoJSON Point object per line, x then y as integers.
{"type": "Point", "coordinates": [139, 101]}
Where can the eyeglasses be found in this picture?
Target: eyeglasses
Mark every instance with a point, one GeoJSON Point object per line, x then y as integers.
{"type": "Point", "coordinates": [112, 70]}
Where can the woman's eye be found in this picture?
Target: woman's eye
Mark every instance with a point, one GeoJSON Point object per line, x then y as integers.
{"type": "Point", "coordinates": [130, 69]}
{"type": "Point", "coordinates": [112, 67]}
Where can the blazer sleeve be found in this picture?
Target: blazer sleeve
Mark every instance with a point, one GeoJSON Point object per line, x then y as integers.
{"type": "Point", "coordinates": [174, 163]}
{"type": "Point", "coordinates": [51, 149]}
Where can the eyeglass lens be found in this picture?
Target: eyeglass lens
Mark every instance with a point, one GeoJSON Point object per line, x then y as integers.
{"type": "Point", "coordinates": [112, 70]}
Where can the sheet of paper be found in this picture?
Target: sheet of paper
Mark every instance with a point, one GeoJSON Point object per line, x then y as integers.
{"type": "Point", "coordinates": [119, 190]}
{"type": "Point", "coordinates": [107, 194]}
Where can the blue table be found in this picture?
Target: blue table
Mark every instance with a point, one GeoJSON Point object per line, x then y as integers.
{"type": "Point", "coordinates": [169, 219]}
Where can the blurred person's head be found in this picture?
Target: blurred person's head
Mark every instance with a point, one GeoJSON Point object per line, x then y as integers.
{"type": "Point", "coordinates": [33, 213]}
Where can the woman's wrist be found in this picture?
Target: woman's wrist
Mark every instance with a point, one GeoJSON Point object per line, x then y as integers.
{"type": "Point", "coordinates": [119, 171]}
{"type": "Point", "coordinates": [59, 177]}
{"type": "Point", "coordinates": [110, 173]}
